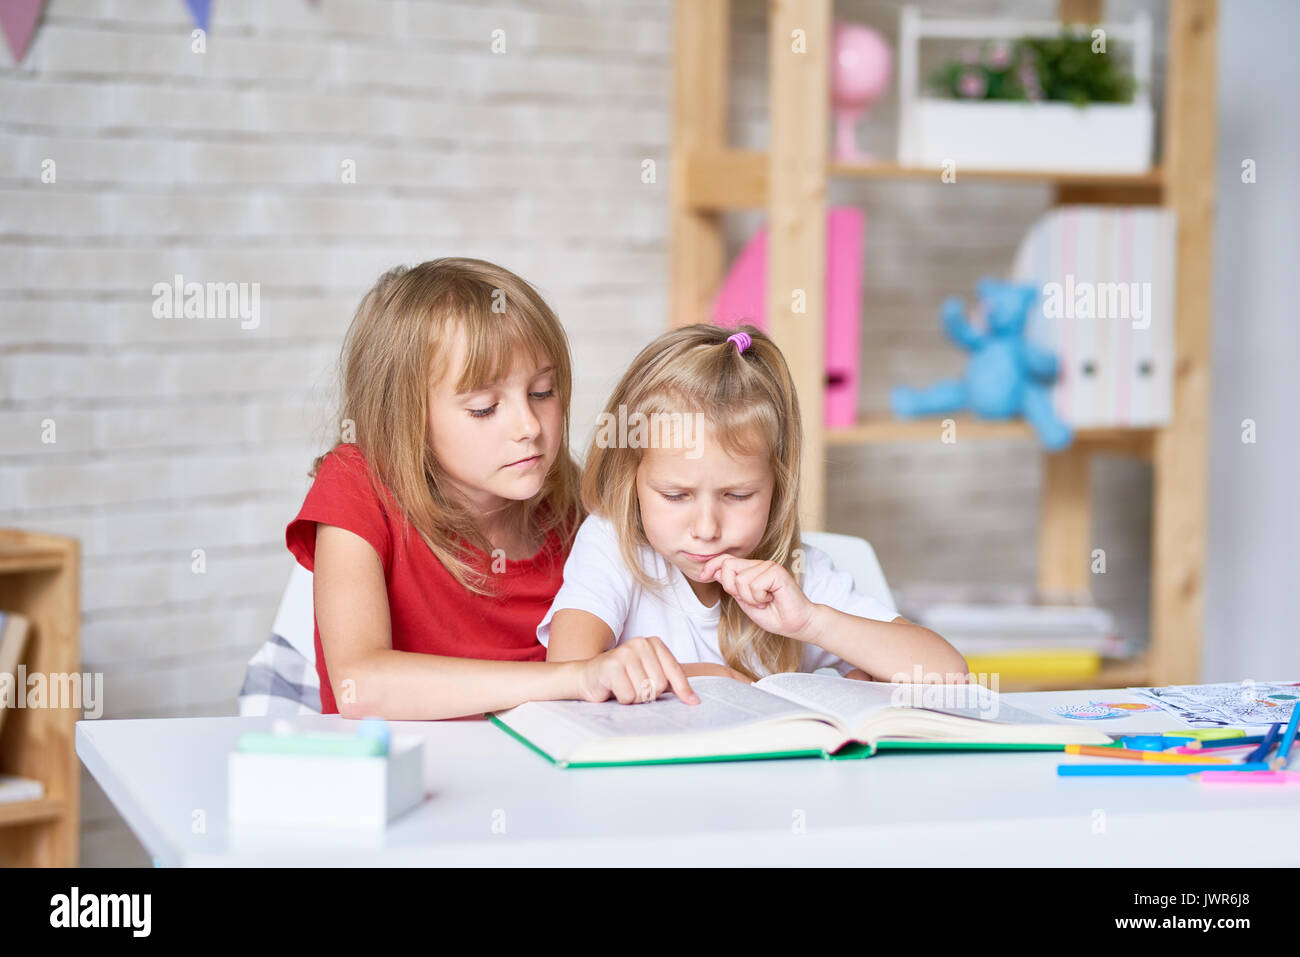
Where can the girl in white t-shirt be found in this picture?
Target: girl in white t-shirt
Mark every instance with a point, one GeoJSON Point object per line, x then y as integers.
{"type": "Point", "coordinates": [692, 549]}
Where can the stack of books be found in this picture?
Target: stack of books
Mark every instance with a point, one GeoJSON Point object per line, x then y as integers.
{"type": "Point", "coordinates": [13, 640]}
{"type": "Point", "coordinates": [1017, 633]}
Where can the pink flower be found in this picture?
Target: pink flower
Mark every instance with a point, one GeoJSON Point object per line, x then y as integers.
{"type": "Point", "coordinates": [1029, 80]}
{"type": "Point", "coordinates": [971, 85]}
{"type": "Point", "coordinates": [1000, 55]}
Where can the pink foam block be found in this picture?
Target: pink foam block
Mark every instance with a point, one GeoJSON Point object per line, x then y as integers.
{"type": "Point", "coordinates": [742, 299]}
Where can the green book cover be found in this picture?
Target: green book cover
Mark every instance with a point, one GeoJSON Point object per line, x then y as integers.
{"type": "Point", "coordinates": [851, 751]}
{"type": "Point", "coordinates": [764, 756]}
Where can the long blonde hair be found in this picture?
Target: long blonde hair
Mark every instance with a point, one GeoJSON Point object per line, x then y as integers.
{"type": "Point", "coordinates": [749, 399]}
{"type": "Point", "coordinates": [397, 340]}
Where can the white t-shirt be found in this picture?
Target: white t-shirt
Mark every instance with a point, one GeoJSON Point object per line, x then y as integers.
{"type": "Point", "coordinates": [597, 581]}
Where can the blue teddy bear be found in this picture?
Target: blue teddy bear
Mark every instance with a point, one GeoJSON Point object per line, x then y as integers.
{"type": "Point", "coordinates": [1006, 376]}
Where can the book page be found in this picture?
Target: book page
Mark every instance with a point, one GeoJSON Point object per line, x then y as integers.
{"type": "Point", "coordinates": [724, 703]}
{"type": "Point", "coordinates": [852, 702]}
{"type": "Point", "coordinates": [849, 702]}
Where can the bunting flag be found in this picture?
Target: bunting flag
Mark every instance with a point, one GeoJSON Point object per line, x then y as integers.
{"type": "Point", "coordinates": [200, 10]}
{"type": "Point", "coordinates": [18, 18]}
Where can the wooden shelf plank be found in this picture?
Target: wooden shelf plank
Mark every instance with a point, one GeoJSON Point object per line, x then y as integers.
{"type": "Point", "coordinates": [1152, 179]}
{"type": "Point", "coordinates": [27, 558]}
{"type": "Point", "coordinates": [737, 179]}
{"type": "Point", "coordinates": [1180, 464]}
{"type": "Point", "coordinates": [697, 254]}
{"type": "Point", "coordinates": [796, 221]}
{"type": "Point", "coordinates": [1065, 522]}
{"type": "Point", "coordinates": [27, 812]}
{"type": "Point", "coordinates": [886, 429]}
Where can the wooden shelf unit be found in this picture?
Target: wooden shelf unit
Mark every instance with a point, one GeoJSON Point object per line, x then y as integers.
{"type": "Point", "coordinates": [789, 181]}
{"type": "Point", "coordinates": [737, 179]}
{"type": "Point", "coordinates": [39, 578]}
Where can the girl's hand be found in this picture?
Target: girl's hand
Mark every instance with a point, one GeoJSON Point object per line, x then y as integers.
{"type": "Point", "coordinates": [636, 671]}
{"type": "Point", "coordinates": [765, 591]}
{"type": "Point", "coordinates": [721, 671]}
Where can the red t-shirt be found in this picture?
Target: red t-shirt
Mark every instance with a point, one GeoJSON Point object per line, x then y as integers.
{"type": "Point", "coordinates": [430, 612]}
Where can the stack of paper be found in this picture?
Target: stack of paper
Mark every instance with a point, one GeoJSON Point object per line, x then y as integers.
{"type": "Point", "coordinates": [1014, 632]}
{"type": "Point", "coordinates": [14, 789]}
{"type": "Point", "coordinates": [1251, 704]}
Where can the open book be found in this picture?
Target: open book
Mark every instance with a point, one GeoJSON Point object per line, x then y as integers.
{"type": "Point", "coordinates": [784, 715]}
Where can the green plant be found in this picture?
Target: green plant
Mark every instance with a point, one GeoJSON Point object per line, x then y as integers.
{"type": "Point", "coordinates": [1063, 68]}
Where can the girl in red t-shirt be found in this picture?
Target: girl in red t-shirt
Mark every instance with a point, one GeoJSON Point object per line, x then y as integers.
{"type": "Point", "coordinates": [438, 528]}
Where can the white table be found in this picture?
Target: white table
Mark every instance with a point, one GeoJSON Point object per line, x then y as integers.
{"type": "Point", "coordinates": [492, 801]}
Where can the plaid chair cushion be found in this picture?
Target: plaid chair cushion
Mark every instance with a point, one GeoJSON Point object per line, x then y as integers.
{"type": "Point", "coordinates": [279, 681]}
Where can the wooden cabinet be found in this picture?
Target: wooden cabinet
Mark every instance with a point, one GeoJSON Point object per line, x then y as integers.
{"type": "Point", "coordinates": [39, 578]}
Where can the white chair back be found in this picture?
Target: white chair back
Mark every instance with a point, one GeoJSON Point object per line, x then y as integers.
{"type": "Point", "coordinates": [855, 556]}
{"type": "Point", "coordinates": [295, 619]}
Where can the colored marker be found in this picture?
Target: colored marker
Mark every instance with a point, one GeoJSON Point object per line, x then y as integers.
{"type": "Point", "coordinates": [1255, 777]}
{"type": "Point", "coordinates": [1149, 769]}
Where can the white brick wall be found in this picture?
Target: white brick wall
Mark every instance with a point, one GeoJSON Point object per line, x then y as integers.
{"type": "Point", "coordinates": [180, 434]}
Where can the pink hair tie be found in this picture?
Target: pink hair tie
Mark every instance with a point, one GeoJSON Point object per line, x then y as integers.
{"type": "Point", "coordinates": [742, 341]}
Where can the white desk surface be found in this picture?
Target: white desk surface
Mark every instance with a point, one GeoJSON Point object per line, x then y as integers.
{"type": "Point", "coordinates": [900, 809]}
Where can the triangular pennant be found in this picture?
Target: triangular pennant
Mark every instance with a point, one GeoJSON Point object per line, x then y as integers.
{"type": "Point", "coordinates": [18, 17]}
{"type": "Point", "coordinates": [200, 10]}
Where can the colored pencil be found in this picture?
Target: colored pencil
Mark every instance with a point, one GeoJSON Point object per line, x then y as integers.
{"type": "Point", "coordinates": [1284, 749]}
{"type": "Point", "coordinates": [1261, 752]}
{"type": "Point", "coordinates": [1151, 769]}
{"type": "Point", "coordinates": [1254, 777]}
{"type": "Point", "coordinates": [1134, 755]}
{"type": "Point", "coordinates": [1227, 742]}
{"type": "Point", "coordinates": [1216, 750]}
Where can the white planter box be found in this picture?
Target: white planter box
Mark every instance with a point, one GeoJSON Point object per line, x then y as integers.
{"type": "Point", "coordinates": [1098, 138]}
{"type": "Point", "coordinates": [1011, 135]}
{"type": "Point", "coordinates": [298, 790]}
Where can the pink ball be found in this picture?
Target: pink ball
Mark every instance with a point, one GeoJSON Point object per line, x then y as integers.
{"type": "Point", "coordinates": [861, 65]}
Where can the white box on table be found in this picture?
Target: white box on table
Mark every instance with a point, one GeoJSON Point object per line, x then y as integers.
{"type": "Point", "coordinates": [326, 790]}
